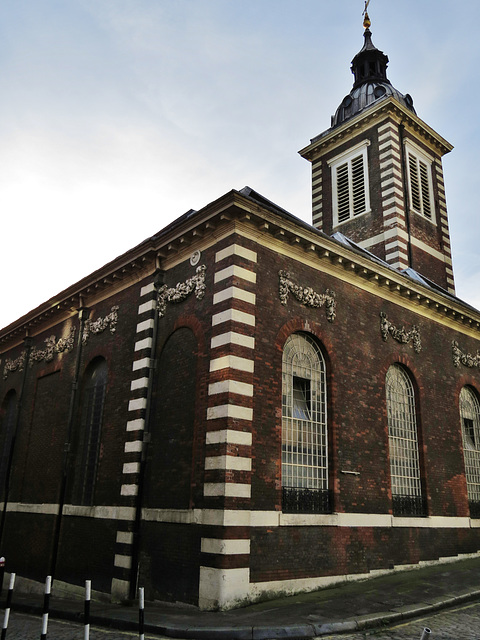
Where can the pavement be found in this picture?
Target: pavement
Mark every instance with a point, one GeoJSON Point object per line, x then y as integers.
{"type": "Point", "coordinates": [350, 607]}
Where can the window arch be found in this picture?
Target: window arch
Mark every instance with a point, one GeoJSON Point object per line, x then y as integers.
{"type": "Point", "coordinates": [91, 418]}
{"type": "Point", "coordinates": [304, 427]}
{"type": "Point", "coordinates": [7, 421]}
{"type": "Point", "coordinates": [407, 493]}
{"type": "Point", "coordinates": [470, 424]}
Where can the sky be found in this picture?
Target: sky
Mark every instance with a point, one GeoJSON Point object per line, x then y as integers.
{"type": "Point", "coordinates": [117, 116]}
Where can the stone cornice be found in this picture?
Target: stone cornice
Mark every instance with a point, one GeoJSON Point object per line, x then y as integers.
{"type": "Point", "coordinates": [368, 117]}
{"type": "Point", "coordinates": [202, 229]}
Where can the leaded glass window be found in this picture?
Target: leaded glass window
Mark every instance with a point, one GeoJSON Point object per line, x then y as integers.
{"type": "Point", "coordinates": [304, 426]}
{"type": "Point", "coordinates": [470, 424]}
{"type": "Point", "coordinates": [403, 444]}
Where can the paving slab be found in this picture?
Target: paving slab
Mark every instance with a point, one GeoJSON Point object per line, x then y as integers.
{"type": "Point", "coordinates": [349, 607]}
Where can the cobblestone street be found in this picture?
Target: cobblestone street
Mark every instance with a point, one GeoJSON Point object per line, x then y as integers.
{"type": "Point", "coordinates": [462, 623]}
{"type": "Point", "coordinates": [27, 627]}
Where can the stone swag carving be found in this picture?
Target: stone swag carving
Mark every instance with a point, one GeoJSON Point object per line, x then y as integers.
{"type": "Point", "coordinates": [467, 359]}
{"type": "Point", "coordinates": [53, 347]}
{"type": "Point", "coordinates": [306, 295]}
{"type": "Point", "coordinates": [400, 335]}
{"type": "Point", "coordinates": [182, 290]}
{"type": "Point", "coordinates": [14, 365]}
{"type": "Point", "coordinates": [99, 325]}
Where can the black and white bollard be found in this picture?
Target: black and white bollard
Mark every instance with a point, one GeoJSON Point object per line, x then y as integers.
{"type": "Point", "coordinates": [426, 633]}
{"type": "Point", "coordinates": [141, 613]}
{"type": "Point", "coordinates": [86, 612]}
{"type": "Point", "coordinates": [46, 607]}
{"type": "Point", "coordinates": [7, 606]}
{"type": "Point", "coordinates": [2, 571]}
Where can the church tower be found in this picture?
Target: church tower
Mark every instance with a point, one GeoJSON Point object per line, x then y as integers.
{"type": "Point", "coordinates": [377, 174]}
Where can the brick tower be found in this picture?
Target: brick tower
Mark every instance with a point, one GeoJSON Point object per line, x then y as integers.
{"type": "Point", "coordinates": [377, 174]}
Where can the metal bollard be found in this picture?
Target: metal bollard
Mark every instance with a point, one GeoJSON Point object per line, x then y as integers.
{"type": "Point", "coordinates": [46, 607]}
{"type": "Point", "coordinates": [141, 613]}
{"type": "Point", "coordinates": [2, 572]}
{"type": "Point", "coordinates": [86, 614]}
{"type": "Point", "coordinates": [8, 606]}
{"type": "Point", "coordinates": [426, 633]}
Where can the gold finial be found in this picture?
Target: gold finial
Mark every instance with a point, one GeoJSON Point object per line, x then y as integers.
{"type": "Point", "coordinates": [366, 20]}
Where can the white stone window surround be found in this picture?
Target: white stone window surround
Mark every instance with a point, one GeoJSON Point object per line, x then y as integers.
{"type": "Point", "coordinates": [347, 157]}
{"type": "Point", "coordinates": [421, 157]}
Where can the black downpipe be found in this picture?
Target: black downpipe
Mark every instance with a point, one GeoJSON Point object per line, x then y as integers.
{"type": "Point", "coordinates": [82, 314]}
{"type": "Point", "coordinates": [406, 196]}
{"type": "Point", "coordinates": [158, 282]}
{"type": "Point", "coordinates": [28, 347]}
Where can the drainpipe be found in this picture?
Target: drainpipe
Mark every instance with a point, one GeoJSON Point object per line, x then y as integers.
{"type": "Point", "coordinates": [406, 193]}
{"type": "Point", "coordinates": [158, 282]}
{"type": "Point", "coordinates": [82, 315]}
{"type": "Point", "coordinates": [28, 347]}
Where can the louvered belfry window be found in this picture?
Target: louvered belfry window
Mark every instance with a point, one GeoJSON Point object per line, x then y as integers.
{"type": "Point", "coordinates": [350, 185]}
{"type": "Point", "coordinates": [304, 427]}
{"type": "Point", "coordinates": [403, 444]}
{"type": "Point", "coordinates": [470, 424]}
{"type": "Point", "coordinates": [419, 173]}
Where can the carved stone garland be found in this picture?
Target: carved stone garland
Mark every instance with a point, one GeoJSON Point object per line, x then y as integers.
{"type": "Point", "coordinates": [400, 335]}
{"type": "Point", "coordinates": [53, 347]}
{"type": "Point", "coordinates": [14, 365]}
{"type": "Point", "coordinates": [467, 359]}
{"type": "Point", "coordinates": [182, 290]}
{"type": "Point", "coordinates": [101, 324]}
{"type": "Point", "coordinates": [306, 295]}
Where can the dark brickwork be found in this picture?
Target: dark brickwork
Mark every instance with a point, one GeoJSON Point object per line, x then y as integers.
{"type": "Point", "coordinates": [341, 550]}
{"type": "Point", "coordinates": [173, 413]}
{"type": "Point", "coordinates": [93, 541]}
{"type": "Point", "coordinates": [169, 564]}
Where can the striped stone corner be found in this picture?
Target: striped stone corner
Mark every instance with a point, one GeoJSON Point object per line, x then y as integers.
{"type": "Point", "coordinates": [442, 205]}
{"type": "Point", "coordinates": [134, 428]}
{"type": "Point", "coordinates": [228, 440]}
{"type": "Point", "coordinates": [317, 195]}
{"type": "Point", "coordinates": [393, 205]}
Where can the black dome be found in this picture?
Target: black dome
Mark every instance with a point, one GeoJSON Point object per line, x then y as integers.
{"type": "Point", "coordinates": [371, 83]}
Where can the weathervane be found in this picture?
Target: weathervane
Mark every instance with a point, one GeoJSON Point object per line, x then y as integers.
{"type": "Point", "coordinates": [366, 20]}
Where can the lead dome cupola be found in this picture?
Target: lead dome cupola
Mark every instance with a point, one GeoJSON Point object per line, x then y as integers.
{"type": "Point", "coordinates": [369, 68]}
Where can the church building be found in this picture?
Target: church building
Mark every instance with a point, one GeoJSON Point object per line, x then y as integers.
{"type": "Point", "coordinates": [245, 405]}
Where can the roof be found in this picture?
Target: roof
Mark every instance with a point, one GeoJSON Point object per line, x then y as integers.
{"type": "Point", "coordinates": [369, 68]}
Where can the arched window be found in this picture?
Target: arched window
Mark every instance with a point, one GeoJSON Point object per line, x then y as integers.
{"type": "Point", "coordinates": [7, 422]}
{"type": "Point", "coordinates": [91, 417]}
{"type": "Point", "coordinates": [470, 422]}
{"type": "Point", "coordinates": [403, 444]}
{"type": "Point", "coordinates": [304, 427]}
